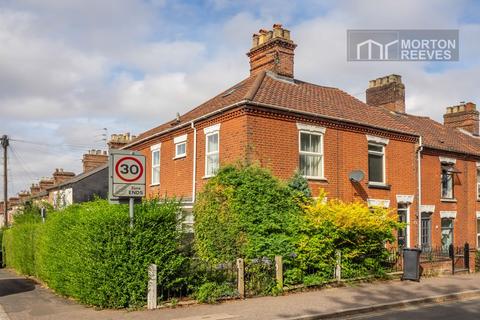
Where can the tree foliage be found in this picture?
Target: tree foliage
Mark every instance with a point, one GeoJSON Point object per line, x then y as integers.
{"type": "Point", "coordinates": [245, 212]}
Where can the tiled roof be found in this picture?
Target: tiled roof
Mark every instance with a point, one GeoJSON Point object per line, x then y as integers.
{"type": "Point", "coordinates": [267, 88]}
{"type": "Point", "coordinates": [324, 101]}
{"type": "Point", "coordinates": [437, 136]}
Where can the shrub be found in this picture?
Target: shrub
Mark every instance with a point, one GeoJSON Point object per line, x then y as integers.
{"type": "Point", "coordinates": [89, 252]}
{"type": "Point", "coordinates": [354, 228]}
{"type": "Point", "coordinates": [245, 212]}
{"type": "Point", "coordinates": [211, 292]}
{"type": "Point", "coordinates": [299, 183]}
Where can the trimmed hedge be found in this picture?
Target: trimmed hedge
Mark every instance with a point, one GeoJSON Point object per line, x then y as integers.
{"type": "Point", "coordinates": [89, 252]}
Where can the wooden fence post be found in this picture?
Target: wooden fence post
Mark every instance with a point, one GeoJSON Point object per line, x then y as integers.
{"type": "Point", "coordinates": [338, 265]}
{"type": "Point", "coordinates": [152, 287]}
{"type": "Point", "coordinates": [279, 271]}
{"type": "Point", "coordinates": [241, 278]}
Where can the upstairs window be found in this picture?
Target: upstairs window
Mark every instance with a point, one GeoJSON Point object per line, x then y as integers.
{"type": "Point", "coordinates": [478, 183]}
{"type": "Point", "coordinates": [155, 164]}
{"type": "Point", "coordinates": [311, 155]}
{"type": "Point", "coordinates": [212, 162]}
{"type": "Point", "coordinates": [180, 146]}
{"type": "Point", "coordinates": [447, 181]}
{"type": "Point", "coordinates": [376, 163]}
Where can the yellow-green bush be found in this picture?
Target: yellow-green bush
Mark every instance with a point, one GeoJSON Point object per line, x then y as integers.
{"type": "Point", "coordinates": [359, 232]}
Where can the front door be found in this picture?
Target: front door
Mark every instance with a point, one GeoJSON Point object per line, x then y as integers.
{"type": "Point", "coordinates": [447, 233]}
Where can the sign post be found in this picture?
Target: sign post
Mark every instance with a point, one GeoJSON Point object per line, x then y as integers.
{"type": "Point", "coordinates": [127, 178]}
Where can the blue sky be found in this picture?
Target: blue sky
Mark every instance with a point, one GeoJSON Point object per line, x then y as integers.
{"type": "Point", "coordinates": [71, 68]}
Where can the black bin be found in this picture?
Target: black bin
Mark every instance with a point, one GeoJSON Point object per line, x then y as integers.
{"type": "Point", "coordinates": [411, 264]}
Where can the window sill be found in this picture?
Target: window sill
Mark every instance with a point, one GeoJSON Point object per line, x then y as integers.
{"type": "Point", "coordinates": [319, 179]}
{"type": "Point", "coordinates": [180, 157]}
{"type": "Point", "coordinates": [376, 185]}
{"type": "Point", "coordinates": [448, 200]}
{"type": "Point", "coordinates": [208, 177]}
{"type": "Point", "coordinates": [154, 184]}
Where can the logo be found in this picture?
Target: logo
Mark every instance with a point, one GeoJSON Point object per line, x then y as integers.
{"type": "Point", "coordinates": [402, 45]}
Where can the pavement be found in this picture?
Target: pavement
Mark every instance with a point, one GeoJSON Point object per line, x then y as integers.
{"type": "Point", "coordinates": [21, 298]}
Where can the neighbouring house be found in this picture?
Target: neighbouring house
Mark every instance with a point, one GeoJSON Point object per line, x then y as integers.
{"type": "Point", "coordinates": [82, 188]}
{"type": "Point", "coordinates": [90, 184]}
{"type": "Point", "coordinates": [287, 124]}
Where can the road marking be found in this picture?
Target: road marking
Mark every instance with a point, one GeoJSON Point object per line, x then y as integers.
{"type": "Point", "coordinates": [218, 316]}
{"type": "Point", "coordinates": [3, 314]}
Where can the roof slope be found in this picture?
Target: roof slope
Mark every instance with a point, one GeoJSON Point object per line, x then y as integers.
{"type": "Point", "coordinates": [267, 88]}
{"type": "Point", "coordinates": [437, 136]}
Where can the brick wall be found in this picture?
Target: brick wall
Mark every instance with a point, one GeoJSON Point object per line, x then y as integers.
{"type": "Point", "coordinates": [176, 174]}
{"type": "Point", "coordinates": [272, 141]}
{"type": "Point", "coordinates": [465, 203]}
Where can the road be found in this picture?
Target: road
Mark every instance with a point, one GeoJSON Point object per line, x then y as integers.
{"type": "Point", "coordinates": [464, 310]}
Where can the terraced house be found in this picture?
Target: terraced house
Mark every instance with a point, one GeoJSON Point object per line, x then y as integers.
{"type": "Point", "coordinates": [373, 152]}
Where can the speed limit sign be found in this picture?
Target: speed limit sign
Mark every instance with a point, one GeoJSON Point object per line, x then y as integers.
{"type": "Point", "coordinates": [127, 174]}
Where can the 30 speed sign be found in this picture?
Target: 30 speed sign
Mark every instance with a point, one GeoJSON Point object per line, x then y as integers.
{"type": "Point", "coordinates": [127, 174]}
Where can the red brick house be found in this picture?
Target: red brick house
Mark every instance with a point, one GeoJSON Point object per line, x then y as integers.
{"type": "Point", "coordinates": [449, 195]}
{"type": "Point", "coordinates": [286, 124]}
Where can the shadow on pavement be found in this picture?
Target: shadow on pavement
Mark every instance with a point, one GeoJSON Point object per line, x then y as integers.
{"type": "Point", "coordinates": [14, 286]}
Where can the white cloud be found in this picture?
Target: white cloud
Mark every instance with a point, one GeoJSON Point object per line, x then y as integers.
{"type": "Point", "coordinates": [70, 68]}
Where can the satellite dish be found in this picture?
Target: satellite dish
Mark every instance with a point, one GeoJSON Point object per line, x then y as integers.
{"type": "Point", "coordinates": [356, 175]}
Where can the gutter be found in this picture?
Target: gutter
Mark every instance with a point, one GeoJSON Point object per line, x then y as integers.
{"type": "Point", "coordinates": [419, 181]}
{"type": "Point", "coordinates": [194, 172]}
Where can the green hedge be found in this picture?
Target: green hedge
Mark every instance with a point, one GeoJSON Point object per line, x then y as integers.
{"type": "Point", "coordinates": [89, 252]}
{"type": "Point", "coordinates": [245, 212]}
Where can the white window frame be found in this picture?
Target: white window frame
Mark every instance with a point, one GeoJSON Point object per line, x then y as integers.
{"type": "Point", "coordinates": [178, 141]}
{"type": "Point", "coordinates": [478, 183]}
{"type": "Point", "coordinates": [310, 153]}
{"type": "Point", "coordinates": [442, 164]}
{"type": "Point", "coordinates": [316, 130]}
{"type": "Point", "coordinates": [154, 149]}
{"type": "Point", "coordinates": [210, 131]}
{"type": "Point", "coordinates": [478, 231]}
{"type": "Point", "coordinates": [384, 170]}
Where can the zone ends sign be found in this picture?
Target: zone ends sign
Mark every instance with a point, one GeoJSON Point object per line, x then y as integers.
{"type": "Point", "coordinates": [127, 174]}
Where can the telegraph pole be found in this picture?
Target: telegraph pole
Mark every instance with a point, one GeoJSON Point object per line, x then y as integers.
{"type": "Point", "coordinates": [5, 141]}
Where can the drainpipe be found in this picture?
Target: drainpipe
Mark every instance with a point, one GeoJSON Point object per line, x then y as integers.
{"type": "Point", "coordinates": [419, 174]}
{"type": "Point", "coordinates": [194, 174]}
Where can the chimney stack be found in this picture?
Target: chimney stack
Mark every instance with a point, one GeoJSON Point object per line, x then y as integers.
{"type": "Point", "coordinates": [463, 116]}
{"type": "Point", "coordinates": [13, 201]}
{"type": "Point", "coordinates": [272, 50]}
{"type": "Point", "coordinates": [34, 189]}
{"type": "Point", "coordinates": [60, 176]}
{"type": "Point", "coordinates": [93, 159]}
{"type": "Point", "coordinates": [45, 183]}
{"type": "Point", "coordinates": [23, 196]}
{"type": "Point", "coordinates": [387, 92]}
{"type": "Point", "coordinates": [117, 141]}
